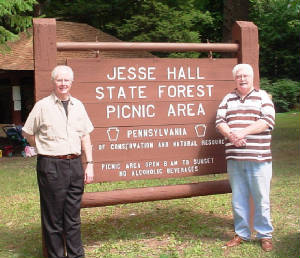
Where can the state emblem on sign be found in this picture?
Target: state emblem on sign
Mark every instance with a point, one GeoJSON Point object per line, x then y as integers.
{"type": "Point", "coordinates": [113, 133]}
{"type": "Point", "coordinates": [200, 130]}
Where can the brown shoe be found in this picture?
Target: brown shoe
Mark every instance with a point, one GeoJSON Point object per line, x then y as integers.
{"type": "Point", "coordinates": [266, 244]}
{"type": "Point", "coordinates": [235, 241]}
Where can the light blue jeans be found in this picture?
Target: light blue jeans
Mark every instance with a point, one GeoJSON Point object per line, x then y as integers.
{"type": "Point", "coordinates": [250, 177]}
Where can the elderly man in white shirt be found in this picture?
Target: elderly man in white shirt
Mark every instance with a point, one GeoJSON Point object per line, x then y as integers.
{"type": "Point", "coordinates": [60, 128]}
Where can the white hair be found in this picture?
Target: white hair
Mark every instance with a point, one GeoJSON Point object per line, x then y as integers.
{"type": "Point", "coordinates": [239, 66]}
{"type": "Point", "coordinates": [62, 69]}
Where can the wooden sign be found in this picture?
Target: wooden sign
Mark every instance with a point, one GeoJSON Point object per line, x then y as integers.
{"type": "Point", "coordinates": [153, 118]}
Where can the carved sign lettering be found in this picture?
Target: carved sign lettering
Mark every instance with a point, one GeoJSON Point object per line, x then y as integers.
{"type": "Point", "coordinates": [154, 118]}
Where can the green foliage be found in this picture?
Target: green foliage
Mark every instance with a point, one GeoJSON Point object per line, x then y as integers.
{"type": "Point", "coordinates": [172, 21]}
{"type": "Point", "coordinates": [15, 16]}
{"type": "Point", "coordinates": [285, 93]}
{"type": "Point", "coordinates": [166, 24]}
{"type": "Point", "coordinates": [97, 13]}
{"type": "Point", "coordinates": [279, 27]}
{"type": "Point", "coordinates": [148, 20]}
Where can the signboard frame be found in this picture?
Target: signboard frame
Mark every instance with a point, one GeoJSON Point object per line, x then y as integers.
{"type": "Point", "coordinates": [245, 48]}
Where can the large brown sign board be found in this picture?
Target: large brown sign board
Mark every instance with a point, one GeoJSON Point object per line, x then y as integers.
{"type": "Point", "coordinates": [154, 118]}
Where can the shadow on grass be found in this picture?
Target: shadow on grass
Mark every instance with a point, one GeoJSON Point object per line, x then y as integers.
{"type": "Point", "coordinates": [161, 222]}
{"type": "Point", "coordinates": [25, 242]}
{"type": "Point", "coordinates": [288, 245]}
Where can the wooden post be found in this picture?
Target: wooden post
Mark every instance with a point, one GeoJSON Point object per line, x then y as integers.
{"type": "Point", "coordinates": [246, 35]}
{"type": "Point", "coordinates": [147, 46]}
{"type": "Point", "coordinates": [149, 194]}
{"type": "Point", "coordinates": [44, 51]}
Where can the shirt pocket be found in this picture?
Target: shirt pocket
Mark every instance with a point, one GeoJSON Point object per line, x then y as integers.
{"type": "Point", "coordinates": [48, 131]}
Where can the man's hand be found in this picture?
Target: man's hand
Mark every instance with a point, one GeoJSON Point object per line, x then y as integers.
{"type": "Point", "coordinates": [237, 138]}
{"type": "Point", "coordinates": [89, 174]}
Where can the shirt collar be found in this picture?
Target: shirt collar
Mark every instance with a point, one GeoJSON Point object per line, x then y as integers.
{"type": "Point", "coordinates": [237, 93]}
{"type": "Point", "coordinates": [57, 100]}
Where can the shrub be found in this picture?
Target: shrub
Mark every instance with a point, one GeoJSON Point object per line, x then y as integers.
{"type": "Point", "coordinates": [285, 93]}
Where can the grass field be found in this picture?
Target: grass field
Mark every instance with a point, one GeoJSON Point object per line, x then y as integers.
{"type": "Point", "coordinates": [193, 227]}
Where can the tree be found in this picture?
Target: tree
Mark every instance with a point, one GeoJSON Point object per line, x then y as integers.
{"type": "Point", "coordinates": [96, 13]}
{"type": "Point", "coordinates": [145, 20]}
{"type": "Point", "coordinates": [279, 28]}
{"type": "Point", "coordinates": [160, 22]}
{"type": "Point", "coordinates": [234, 10]}
{"type": "Point", "coordinates": [15, 16]}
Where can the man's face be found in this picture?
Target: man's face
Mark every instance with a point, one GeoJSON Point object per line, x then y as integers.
{"type": "Point", "coordinates": [244, 81]}
{"type": "Point", "coordinates": [62, 84]}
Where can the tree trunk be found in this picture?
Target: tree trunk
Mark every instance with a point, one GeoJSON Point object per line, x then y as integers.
{"type": "Point", "coordinates": [234, 10]}
{"type": "Point", "coordinates": [38, 8]}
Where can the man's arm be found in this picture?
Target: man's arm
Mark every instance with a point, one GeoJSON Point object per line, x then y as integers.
{"type": "Point", "coordinates": [88, 151]}
{"type": "Point", "coordinates": [225, 130]}
{"type": "Point", "coordinates": [30, 138]}
{"type": "Point", "coordinates": [255, 128]}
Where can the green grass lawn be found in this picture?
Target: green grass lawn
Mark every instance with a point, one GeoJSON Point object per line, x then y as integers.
{"type": "Point", "coordinates": [193, 227]}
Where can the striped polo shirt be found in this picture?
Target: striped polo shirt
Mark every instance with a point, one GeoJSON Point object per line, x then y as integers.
{"type": "Point", "coordinates": [239, 113]}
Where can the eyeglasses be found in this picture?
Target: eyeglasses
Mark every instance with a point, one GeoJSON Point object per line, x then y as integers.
{"type": "Point", "coordinates": [242, 76]}
{"type": "Point", "coordinates": [63, 81]}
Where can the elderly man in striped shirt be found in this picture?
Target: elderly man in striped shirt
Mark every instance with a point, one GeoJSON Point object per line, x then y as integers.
{"type": "Point", "coordinates": [246, 118]}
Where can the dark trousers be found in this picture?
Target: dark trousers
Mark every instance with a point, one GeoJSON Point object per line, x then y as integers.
{"type": "Point", "coordinates": [61, 185]}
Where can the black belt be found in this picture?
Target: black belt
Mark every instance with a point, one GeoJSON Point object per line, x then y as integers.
{"type": "Point", "coordinates": [68, 156]}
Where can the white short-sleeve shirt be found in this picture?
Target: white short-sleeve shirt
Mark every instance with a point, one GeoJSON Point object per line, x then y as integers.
{"type": "Point", "coordinates": [55, 132]}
